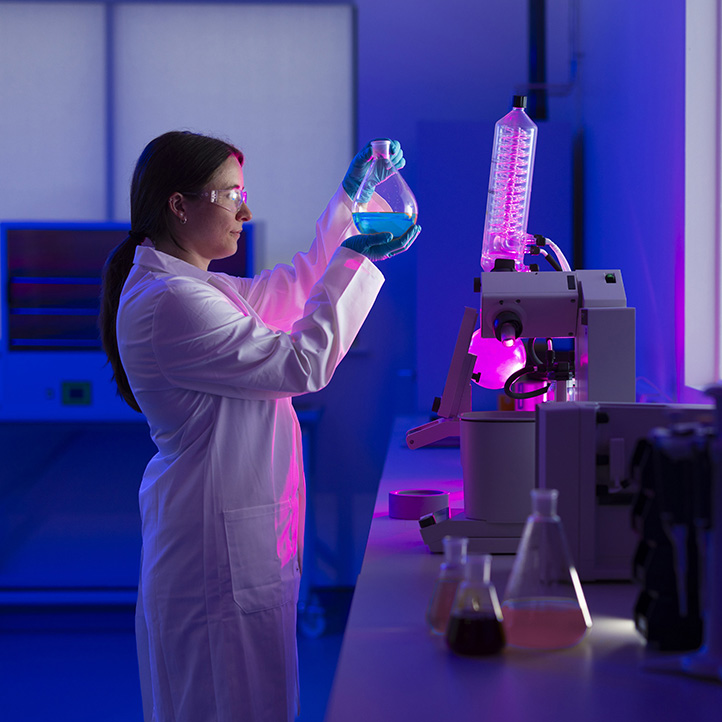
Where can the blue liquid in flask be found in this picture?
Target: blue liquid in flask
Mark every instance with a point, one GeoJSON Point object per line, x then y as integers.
{"type": "Point", "coordinates": [395, 223]}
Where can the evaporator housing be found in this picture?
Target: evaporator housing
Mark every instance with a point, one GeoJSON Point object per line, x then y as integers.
{"type": "Point", "coordinates": [507, 205]}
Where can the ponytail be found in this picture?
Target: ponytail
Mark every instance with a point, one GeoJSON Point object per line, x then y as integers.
{"type": "Point", "coordinates": [115, 271]}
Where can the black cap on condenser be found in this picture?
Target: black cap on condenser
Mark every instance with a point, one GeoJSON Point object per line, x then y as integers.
{"type": "Point", "coordinates": [504, 264]}
{"type": "Point", "coordinates": [519, 101]}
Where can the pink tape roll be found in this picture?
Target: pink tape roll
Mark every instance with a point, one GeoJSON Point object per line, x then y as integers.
{"type": "Point", "coordinates": [415, 503]}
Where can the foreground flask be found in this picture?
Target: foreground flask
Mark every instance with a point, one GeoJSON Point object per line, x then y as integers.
{"type": "Point", "coordinates": [544, 605]}
{"type": "Point", "coordinates": [395, 209]}
{"type": "Point", "coordinates": [451, 574]}
{"type": "Point", "coordinates": [475, 627]}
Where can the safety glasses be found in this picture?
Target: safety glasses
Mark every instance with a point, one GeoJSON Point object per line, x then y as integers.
{"type": "Point", "coordinates": [231, 200]}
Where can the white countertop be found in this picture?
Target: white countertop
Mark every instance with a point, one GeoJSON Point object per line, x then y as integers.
{"type": "Point", "coordinates": [392, 668]}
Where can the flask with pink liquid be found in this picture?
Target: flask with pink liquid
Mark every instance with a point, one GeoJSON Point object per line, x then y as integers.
{"type": "Point", "coordinates": [544, 605]}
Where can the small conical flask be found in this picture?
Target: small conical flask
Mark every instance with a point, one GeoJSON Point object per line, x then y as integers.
{"type": "Point", "coordinates": [544, 605]}
{"type": "Point", "coordinates": [475, 624]}
{"type": "Point", "coordinates": [451, 574]}
{"type": "Point", "coordinates": [394, 208]}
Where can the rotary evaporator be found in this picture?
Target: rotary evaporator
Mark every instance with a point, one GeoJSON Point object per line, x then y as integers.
{"type": "Point", "coordinates": [637, 485]}
{"type": "Point", "coordinates": [513, 342]}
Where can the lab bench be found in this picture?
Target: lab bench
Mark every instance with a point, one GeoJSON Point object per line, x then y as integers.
{"type": "Point", "coordinates": [392, 668]}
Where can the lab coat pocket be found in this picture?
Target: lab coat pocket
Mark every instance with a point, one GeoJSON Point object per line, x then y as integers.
{"type": "Point", "coordinates": [254, 560]}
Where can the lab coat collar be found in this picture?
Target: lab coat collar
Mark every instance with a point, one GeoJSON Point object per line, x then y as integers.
{"type": "Point", "coordinates": [154, 260]}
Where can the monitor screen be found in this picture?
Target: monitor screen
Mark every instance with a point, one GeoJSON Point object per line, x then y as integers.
{"type": "Point", "coordinates": [51, 282]}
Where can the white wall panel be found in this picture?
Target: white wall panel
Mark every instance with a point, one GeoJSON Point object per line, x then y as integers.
{"type": "Point", "coordinates": [703, 195]}
{"type": "Point", "coordinates": [52, 122]}
{"type": "Point", "coordinates": [276, 80]}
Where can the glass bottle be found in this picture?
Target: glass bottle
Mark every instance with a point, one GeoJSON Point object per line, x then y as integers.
{"type": "Point", "coordinates": [475, 624]}
{"type": "Point", "coordinates": [507, 204]}
{"type": "Point", "coordinates": [394, 208]}
{"type": "Point", "coordinates": [451, 574]}
{"type": "Point", "coordinates": [544, 605]}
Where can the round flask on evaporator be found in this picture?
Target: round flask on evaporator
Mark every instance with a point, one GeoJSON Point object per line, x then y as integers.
{"type": "Point", "coordinates": [507, 204]}
{"type": "Point", "coordinates": [451, 574]}
{"type": "Point", "coordinates": [475, 623]}
{"type": "Point", "coordinates": [495, 361]}
{"type": "Point", "coordinates": [383, 201]}
{"type": "Point", "coordinates": [544, 605]}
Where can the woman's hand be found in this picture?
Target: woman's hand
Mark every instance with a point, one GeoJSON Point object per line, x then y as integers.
{"type": "Point", "coordinates": [380, 246]}
{"type": "Point", "coordinates": [357, 169]}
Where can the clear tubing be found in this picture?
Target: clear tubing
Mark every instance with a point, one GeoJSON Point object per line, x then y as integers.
{"type": "Point", "coordinates": [560, 256]}
{"type": "Point", "coordinates": [507, 206]}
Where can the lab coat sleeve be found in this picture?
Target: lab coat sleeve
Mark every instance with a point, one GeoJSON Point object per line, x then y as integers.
{"type": "Point", "coordinates": [205, 342]}
{"type": "Point", "coordinates": [279, 295]}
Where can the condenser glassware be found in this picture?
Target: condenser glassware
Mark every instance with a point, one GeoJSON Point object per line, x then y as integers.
{"type": "Point", "coordinates": [507, 204]}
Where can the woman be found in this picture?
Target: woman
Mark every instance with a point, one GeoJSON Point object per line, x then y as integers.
{"type": "Point", "coordinates": [213, 362]}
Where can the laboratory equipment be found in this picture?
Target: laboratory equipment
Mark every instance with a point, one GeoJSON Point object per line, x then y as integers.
{"type": "Point", "coordinates": [585, 308]}
{"type": "Point", "coordinates": [52, 367]}
{"type": "Point", "coordinates": [451, 574]}
{"type": "Point", "coordinates": [475, 623]}
{"type": "Point", "coordinates": [544, 605]}
{"type": "Point", "coordinates": [671, 514]}
{"type": "Point", "coordinates": [681, 498]}
{"type": "Point", "coordinates": [588, 307]}
{"type": "Point", "coordinates": [383, 201]}
{"type": "Point", "coordinates": [707, 662]}
{"type": "Point", "coordinates": [507, 205]}
{"type": "Point", "coordinates": [497, 464]}
{"type": "Point", "coordinates": [456, 396]}
{"type": "Point", "coordinates": [587, 450]}
{"type": "Point", "coordinates": [496, 362]}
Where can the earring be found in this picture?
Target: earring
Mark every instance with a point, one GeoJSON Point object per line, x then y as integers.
{"type": "Point", "coordinates": [183, 220]}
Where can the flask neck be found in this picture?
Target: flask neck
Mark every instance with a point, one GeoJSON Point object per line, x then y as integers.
{"type": "Point", "coordinates": [544, 502]}
{"type": "Point", "coordinates": [381, 148]}
{"type": "Point", "coordinates": [478, 570]}
{"type": "Point", "coordinates": [455, 549]}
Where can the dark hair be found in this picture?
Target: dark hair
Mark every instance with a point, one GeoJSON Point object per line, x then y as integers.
{"type": "Point", "coordinates": [178, 161]}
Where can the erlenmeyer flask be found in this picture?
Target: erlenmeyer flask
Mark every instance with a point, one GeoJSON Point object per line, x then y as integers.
{"type": "Point", "coordinates": [451, 574]}
{"type": "Point", "coordinates": [475, 625]}
{"type": "Point", "coordinates": [394, 207]}
{"type": "Point", "coordinates": [544, 605]}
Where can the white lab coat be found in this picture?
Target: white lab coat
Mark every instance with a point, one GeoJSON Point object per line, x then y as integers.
{"type": "Point", "coordinates": [213, 362]}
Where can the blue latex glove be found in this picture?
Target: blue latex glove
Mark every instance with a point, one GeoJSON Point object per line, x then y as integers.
{"type": "Point", "coordinates": [380, 246]}
{"type": "Point", "coordinates": [357, 169]}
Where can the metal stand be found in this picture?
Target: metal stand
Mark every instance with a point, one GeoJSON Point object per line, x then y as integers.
{"type": "Point", "coordinates": [456, 397]}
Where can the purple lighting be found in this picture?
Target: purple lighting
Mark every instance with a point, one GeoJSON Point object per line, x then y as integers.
{"type": "Point", "coordinates": [495, 362]}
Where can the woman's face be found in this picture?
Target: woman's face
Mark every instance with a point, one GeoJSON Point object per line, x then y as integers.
{"type": "Point", "coordinates": [213, 226]}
